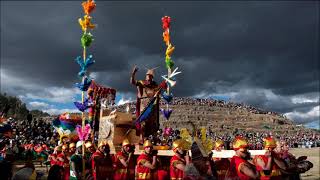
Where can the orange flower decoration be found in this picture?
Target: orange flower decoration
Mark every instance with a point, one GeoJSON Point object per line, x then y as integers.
{"type": "Point", "coordinates": [169, 50]}
{"type": "Point", "coordinates": [88, 6]}
{"type": "Point", "coordinates": [86, 23]}
{"type": "Point", "coordinates": [166, 37]}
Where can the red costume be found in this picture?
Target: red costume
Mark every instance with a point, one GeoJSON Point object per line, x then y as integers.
{"type": "Point", "coordinates": [222, 167]}
{"type": "Point", "coordinates": [53, 159]}
{"type": "Point", "coordinates": [65, 164]}
{"type": "Point", "coordinates": [275, 173]}
{"type": "Point", "coordinates": [142, 172]}
{"type": "Point", "coordinates": [101, 166]}
{"type": "Point", "coordinates": [122, 172]}
{"type": "Point", "coordinates": [235, 164]}
{"type": "Point", "coordinates": [175, 173]}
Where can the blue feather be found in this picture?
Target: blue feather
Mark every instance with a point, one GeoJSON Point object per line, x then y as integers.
{"type": "Point", "coordinates": [84, 64]}
{"type": "Point", "coordinates": [85, 84]}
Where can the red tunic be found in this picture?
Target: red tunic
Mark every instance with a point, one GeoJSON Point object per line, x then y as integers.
{"type": "Point", "coordinates": [52, 161]}
{"type": "Point", "coordinates": [275, 173]}
{"type": "Point", "coordinates": [142, 172]}
{"type": "Point", "coordinates": [101, 166]}
{"type": "Point", "coordinates": [122, 172]}
{"type": "Point", "coordinates": [235, 164]}
{"type": "Point", "coordinates": [222, 167]}
{"type": "Point", "coordinates": [175, 173]}
{"type": "Point", "coordinates": [65, 164]}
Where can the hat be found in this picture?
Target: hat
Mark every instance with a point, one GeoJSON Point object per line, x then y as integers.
{"type": "Point", "coordinates": [269, 142]}
{"type": "Point", "coordinates": [72, 145]}
{"type": "Point", "coordinates": [125, 142]}
{"type": "Point", "coordinates": [88, 144]}
{"type": "Point", "coordinates": [58, 148]}
{"type": "Point", "coordinates": [151, 71]}
{"type": "Point", "coordinates": [103, 143]}
{"type": "Point", "coordinates": [239, 143]}
{"type": "Point", "coordinates": [177, 144]}
{"type": "Point", "coordinates": [218, 143]}
{"type": "Point", "coordinates": [147, 143]}
{"type": "Point", "coordinates": [64, 147]}
{"type": "Point", "coordinates": [79, 143]}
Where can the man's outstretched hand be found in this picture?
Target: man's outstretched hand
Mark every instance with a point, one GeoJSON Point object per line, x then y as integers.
{"type": "Point", "coordinates": [135, 69]}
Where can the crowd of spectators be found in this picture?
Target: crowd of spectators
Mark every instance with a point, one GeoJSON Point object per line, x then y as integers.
{"type": "Point", "coordinates": [26, 134]}
{"type": "Point", "coordinates": [204, 102]}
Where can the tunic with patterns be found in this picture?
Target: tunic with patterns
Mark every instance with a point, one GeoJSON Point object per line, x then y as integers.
{"type": "Point", "coordinates": [222, 167]}
{"type": "Point", "coordinates": [175, 173]}
{"type": "Point", "coordinates": [274, 174]}
{"type": "Point", "coordinates": [142, 172]}
{"type": "Point", "coordinates": [102, 166]}
{"type": "Point", "coordinates": [122, 172]}
{"type": "Point", "coordinates": [235, 164]}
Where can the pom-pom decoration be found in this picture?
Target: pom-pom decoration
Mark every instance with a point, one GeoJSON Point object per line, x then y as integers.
{"type": "Point", "coordinates": [184, 134]}
{"type": "Point", "coordinates": [86, 23]}
{"type": "Point", "coordinates": [169, 63]}
{"type": "Point", "coordinates": [88, 6]}
{"type": "Point", "coordinates": [83, 133]}
{"type": "Point", "coordinates": [83, 106]}
{"type": "Point", "coordinates": [166, 37]}
{"type": "Point", "coordinates": [166, 113]}
{"type": "Point", "coordinates": [86, 39]}
{"type": "Point", "coordinates": [84, 64]}
{"type": "Point", "coordinates": [168, 131]}
{"type": "Point", "coordinates": [167, 97]}
{"type": "Point", "coordinates": [85, 84]}
{"type": "Point", "coordinates": [169, 50]}
{"type": "Point", "coordinates": [166, 22]}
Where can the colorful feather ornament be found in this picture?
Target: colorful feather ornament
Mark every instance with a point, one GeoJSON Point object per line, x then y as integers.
{"type": "Point", "coordinates": [171, 78]}
{"type": "Point", "coordinates": [85, 84]}
{"type": "Point", "coordinates": [184, 134]}
{"type": "Point", "coordinates": [171, 82]}
{"type": "Point", "coordinates": [83, 106]}
{"type": "Point", "coordinates": [88, 6]}
{"type": "Point", "coordinates": [84, 64]}
{"type": "Point", "coordinates": [86, 23]}
{"type": "Point", "coordinates": [169, 63]}
{"type": "Point", "coordinates": [169, 50]}
{"type": "Point", "coordinates": [167, 97]}
{"type": "Point", "coordinates": [168, 131]}
{"type": "Point", "coordinates": [86, 39]}
{"type": "Point", "coordinates": [83, 135]}
{"type": "Point", "coordinates": [166, 22]}
{"type": "Point", "coordinates": [166, 37]}
{"type": "Point", "coordinates": [166, 113]}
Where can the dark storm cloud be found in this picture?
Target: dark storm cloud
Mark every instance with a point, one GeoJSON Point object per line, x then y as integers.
{"type": "Point", "coordinates": [220, 46]}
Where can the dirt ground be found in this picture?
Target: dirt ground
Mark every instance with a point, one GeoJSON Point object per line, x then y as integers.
{"type": "Point", "coordinates": [313, 156]}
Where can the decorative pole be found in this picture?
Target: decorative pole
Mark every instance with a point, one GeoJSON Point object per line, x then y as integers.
{"type": "Point", "coordinates": [167, 96]}
{"type": "Point", "coordinates": [85, 62]}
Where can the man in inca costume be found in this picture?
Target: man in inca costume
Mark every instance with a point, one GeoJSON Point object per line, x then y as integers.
{"type": "Point", "coordinates": [147, 89]}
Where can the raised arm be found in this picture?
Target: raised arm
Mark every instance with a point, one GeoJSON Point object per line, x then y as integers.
{"type": "Point", "coordinates": [247, 170]}
{"type": "Point", "coordinates": [262, 164]}
{"type": "Point", "coordinates": [126, 163]}
{"type": "Point", "coordinates": [280, 162]}
{"type": "Point", "coordinates": [133, 74]}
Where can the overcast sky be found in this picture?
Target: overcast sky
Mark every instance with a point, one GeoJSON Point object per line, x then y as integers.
{"type": "Point", "coordinates": [264, 54]}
